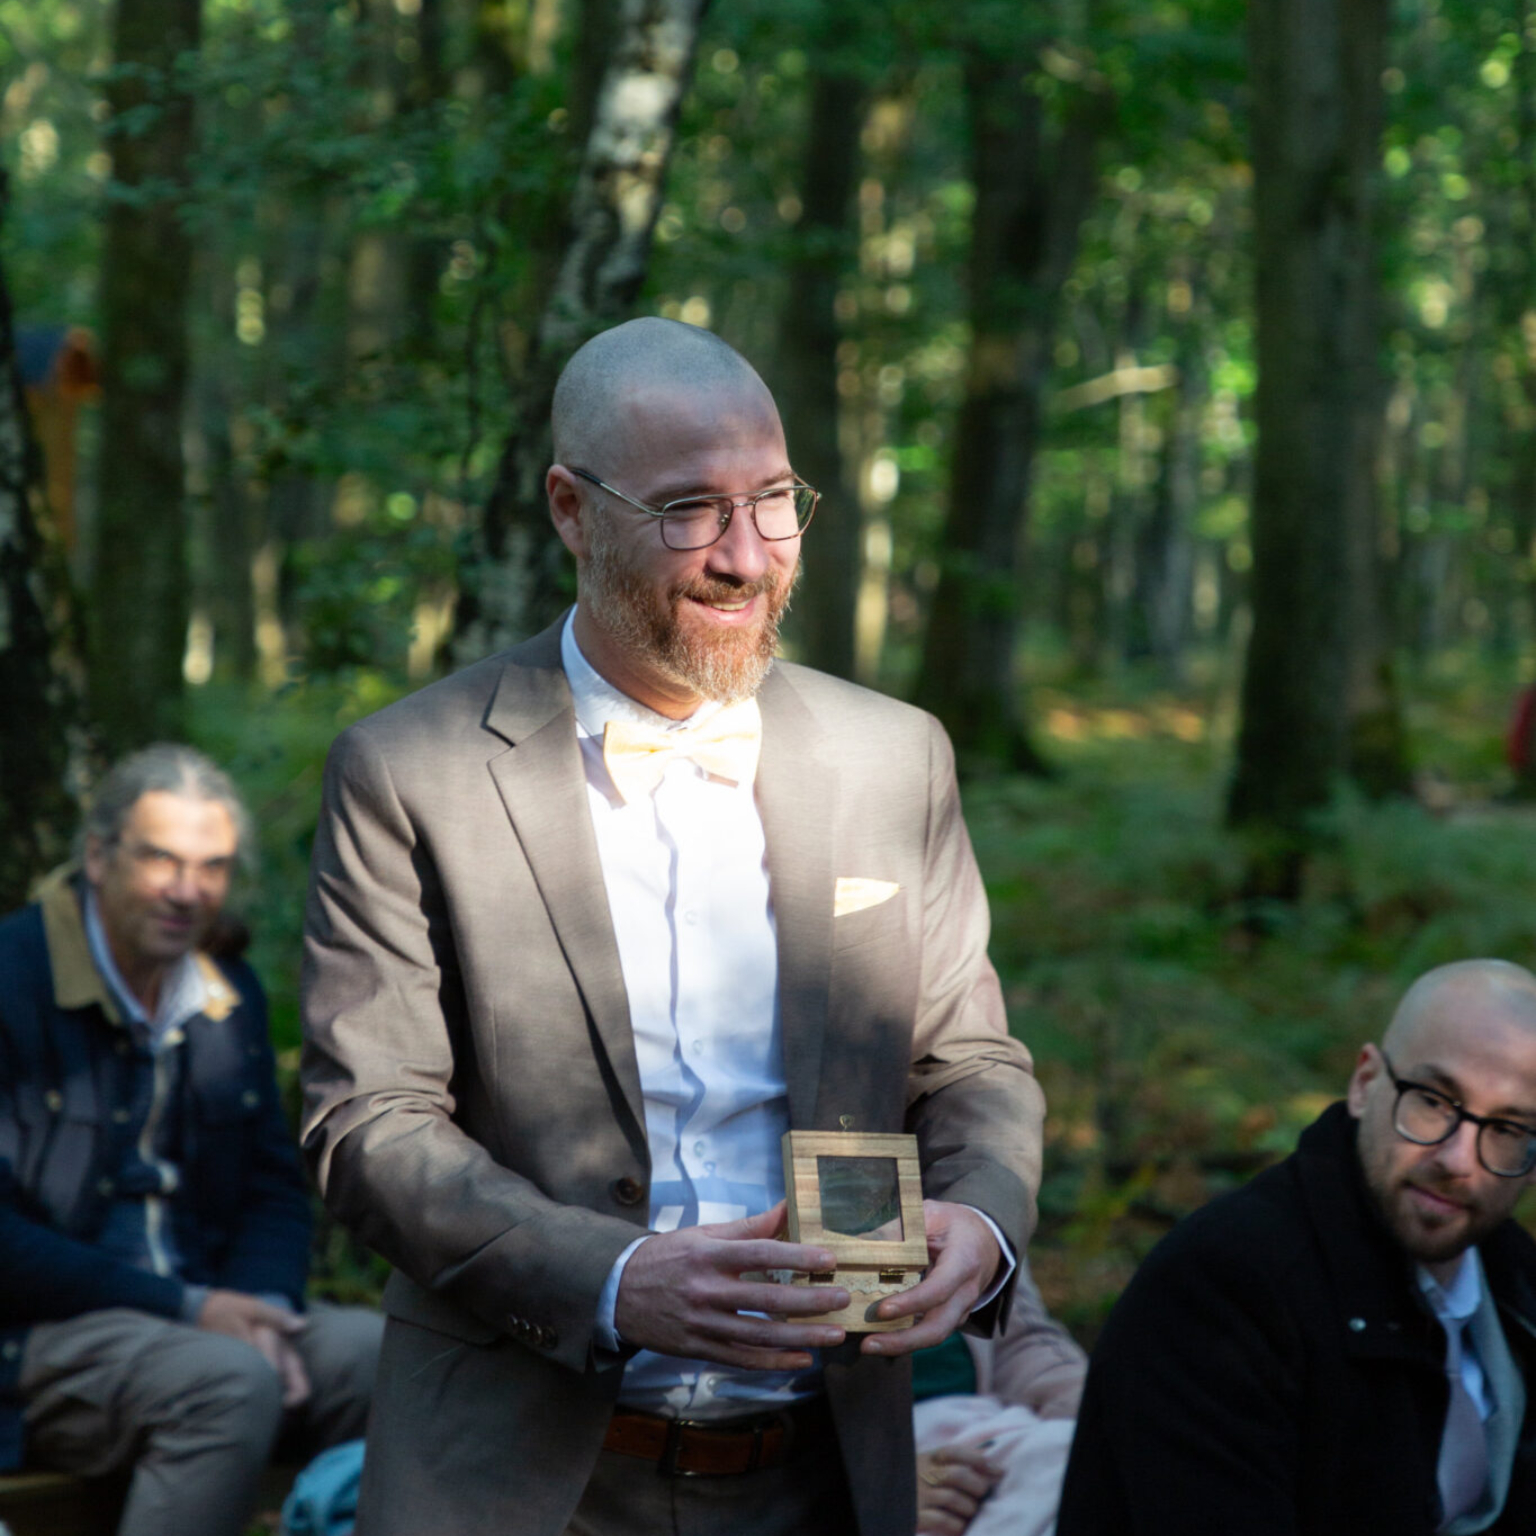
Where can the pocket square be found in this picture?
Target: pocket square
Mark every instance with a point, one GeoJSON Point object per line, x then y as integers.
{"type": "Point", "coordinates": [854, 894]}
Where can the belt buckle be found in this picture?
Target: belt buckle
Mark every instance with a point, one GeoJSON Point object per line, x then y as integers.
{"type": "Point", "coordinates": [666, 1464]}
{"type": "Point", "coordinates": [671, 1448]}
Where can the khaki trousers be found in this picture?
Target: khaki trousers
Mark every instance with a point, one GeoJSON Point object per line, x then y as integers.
{"type": "Point", "coordinates": [195, 1414]}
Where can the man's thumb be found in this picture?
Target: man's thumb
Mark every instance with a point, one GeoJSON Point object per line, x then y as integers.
{"type": "Point", "coordinates": [768, 1224]}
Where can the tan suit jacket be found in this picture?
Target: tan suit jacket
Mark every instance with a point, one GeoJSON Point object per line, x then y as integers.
{"type": "Point", "coordinates": [473, 1104]}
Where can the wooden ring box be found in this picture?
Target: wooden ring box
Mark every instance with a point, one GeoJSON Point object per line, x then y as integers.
{"type": "Point", "coordinates": [861, 1195]}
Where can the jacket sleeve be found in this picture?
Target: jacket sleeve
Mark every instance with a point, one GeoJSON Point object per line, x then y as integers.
{"type": "Point", "coordinates": [1035, 1362]}
{"type": "Point", "coordinates": [267, 1253]}
{"type": "Point", "coordinates": [1190, 1416]}
{"type": "Point", "coordinates": [384, 1020]}
{"type": "Point", "coordinates": [973, 1101]}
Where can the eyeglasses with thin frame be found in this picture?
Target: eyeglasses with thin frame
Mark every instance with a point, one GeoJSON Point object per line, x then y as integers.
{"type": "Point", "coordinates": [1427, 1117]}
{"type": "Point", "coordinates": [696, 522]}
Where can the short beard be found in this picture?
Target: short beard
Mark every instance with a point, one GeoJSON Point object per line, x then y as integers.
{"type": "Point", "coordinates": [726, 667]}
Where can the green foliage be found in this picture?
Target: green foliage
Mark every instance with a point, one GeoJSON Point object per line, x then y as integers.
{"type": "Point", "coordinates": [274, 746]}
{"type": "Point", "coordinates": [1184, 1035]}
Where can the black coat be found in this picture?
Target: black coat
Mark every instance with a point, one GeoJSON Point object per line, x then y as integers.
{"type": "Point", "coordinates": [1273, 1370]}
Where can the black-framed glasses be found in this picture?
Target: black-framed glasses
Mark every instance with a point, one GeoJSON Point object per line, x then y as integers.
{"type": "Point", "coordinates": [696, 522]}
{"type": "Point", "coordinates": [1426, 1117]}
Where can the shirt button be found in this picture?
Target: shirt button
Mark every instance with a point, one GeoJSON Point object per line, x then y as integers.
{"type": "Point", "coordinates": [105, 1187]}
{"type": "Point", "coordinates": [699, 1148]}
{"type": "Point", "coordinates": [11, 1350]}
{"type": "Point", "coordinates": [54, 1100]}
{"type": "Point", "coordinates": [250, 1098]}
{"type": "Point", "coordinates": [627, 1191]}
{"type": "Point", "coordinates": [1357, 1325]}
{"type": "Point", "coordinates": [120, 1117]}
{"type": "Point", "coordinates": [690, 918]}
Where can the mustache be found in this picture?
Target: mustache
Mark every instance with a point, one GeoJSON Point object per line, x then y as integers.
{"type": "Point", "coordinates": [725, 590]}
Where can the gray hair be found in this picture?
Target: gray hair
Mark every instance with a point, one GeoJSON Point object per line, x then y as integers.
{"type": "Point", "coordinates": [167, 767]}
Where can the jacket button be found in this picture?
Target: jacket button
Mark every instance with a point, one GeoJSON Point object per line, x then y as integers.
{"type": "Point", "coordinates": [121, 1117]}
{"type": "Point", "coordinates": [628, 1191]}
{"type": "Point", "coordinates": [54, 1100]}
{"type": "Point", "coordinates": [250, 1098]}
{"type": "Point", "coordinates": [548, 1337]}
{"type": "Point", "coordinates": [1357, 1325]}
{"type": "Point", "coordinates": [106, 1187]}
{"type": "Point", "coordinates": [11, 1350]}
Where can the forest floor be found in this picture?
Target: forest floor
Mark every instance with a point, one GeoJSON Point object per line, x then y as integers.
{"type": "Point", "coordinates": [1183, 1034]}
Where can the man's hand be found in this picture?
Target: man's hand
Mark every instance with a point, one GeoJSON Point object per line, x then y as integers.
{"type": "Point", "coordinates": [682, 1294]}
{"type": "Point", "coordinates": [963, 1258]}
{"type": "Point", "coordinates": [265, 1328]}
{"type": "Point", "coordinates": [951, 1483]}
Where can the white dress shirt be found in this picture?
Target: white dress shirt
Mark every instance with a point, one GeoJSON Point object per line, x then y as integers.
{"type": "Point", "coordinates": [687, 882]}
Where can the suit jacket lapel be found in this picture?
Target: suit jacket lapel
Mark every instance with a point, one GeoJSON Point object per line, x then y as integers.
{"type": "Point", "coordinates": [798, 827]}
{"type": "Point", "coordinates": [544, 789]}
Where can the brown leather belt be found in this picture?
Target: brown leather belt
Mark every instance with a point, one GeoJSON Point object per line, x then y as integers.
{"type": "Point", "coordinates": [697, 1448]}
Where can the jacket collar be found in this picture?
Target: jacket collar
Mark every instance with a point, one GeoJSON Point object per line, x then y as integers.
{"type": "Point", "coordinates": [543, 788]}
{"type": "Point", "coordinates": [76, 981]}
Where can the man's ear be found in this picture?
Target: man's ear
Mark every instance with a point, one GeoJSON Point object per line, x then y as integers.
{"type": "Point", "coordinates": [565, 509]}
{"type": "Point", "coordinates": [1368, 1066]}
{"type": "Point", "coordinates": [95, 860]}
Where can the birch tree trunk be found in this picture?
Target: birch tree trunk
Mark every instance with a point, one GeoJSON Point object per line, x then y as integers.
{"type": "Point", "coordinates": [515, 580]}
{"type": "Point", "coordinates": [1315, 67]}
{"type": "Point", "coordinates": [140, 593]}
{"type": "Point", "coordinates": [39, 669]}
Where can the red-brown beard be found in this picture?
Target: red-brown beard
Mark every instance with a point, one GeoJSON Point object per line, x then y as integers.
{"type": "Point", "coordinates": [727, 665]}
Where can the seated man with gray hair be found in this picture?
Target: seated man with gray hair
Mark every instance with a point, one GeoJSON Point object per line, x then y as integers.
{"type": "Point", "coordinates": [154, 1222]}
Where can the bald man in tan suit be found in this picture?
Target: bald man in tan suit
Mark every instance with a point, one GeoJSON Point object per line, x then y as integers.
{"type": "Point", "coordinates": [558, 1017]}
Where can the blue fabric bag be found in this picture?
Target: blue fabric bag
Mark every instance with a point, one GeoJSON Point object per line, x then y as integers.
{"type": "Point", "coordinates": [324, 1497]}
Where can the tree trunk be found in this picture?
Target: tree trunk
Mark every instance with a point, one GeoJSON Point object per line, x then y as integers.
{"type": "Point", "coordinates": [806, 378]}
{"type": "Point", "coordinates": [515, 580]}
{"type": "Point", "coordinates": [1164, 545]}
{"type": "Point", "coordinates": [1518, 315]}
{"type": "Point", "coordinates": [39, 670]}
{"type": "Point", "coordinates": [140, 591]}
{"type": "Point", "coordinates": [429, 86]}
{"type": "Point", "coordinates": [1315, 68]}
{"type": "Point", "coordinates": [1032, 187]}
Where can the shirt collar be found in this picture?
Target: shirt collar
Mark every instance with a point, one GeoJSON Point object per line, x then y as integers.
{"type": "Point", "coordinates": [1457, 1301]}
{"type": "Point", "coordinates": [597, 701]}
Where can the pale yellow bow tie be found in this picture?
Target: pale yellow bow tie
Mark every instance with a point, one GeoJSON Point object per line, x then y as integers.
{"type": "Point", "coordinates": [725, 745]}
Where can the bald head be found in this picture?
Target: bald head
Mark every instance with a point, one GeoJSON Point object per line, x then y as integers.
{"type": "Point", "coordinates": [1462, 1045]}
{"type": "Point", "coordinates": [608, 394]}
{"type": "Point", "coordinates": [1474, 991]}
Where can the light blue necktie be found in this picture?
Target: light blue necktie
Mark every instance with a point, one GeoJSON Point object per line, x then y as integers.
{"type": "Point", "coordinates": [1463, 1467]}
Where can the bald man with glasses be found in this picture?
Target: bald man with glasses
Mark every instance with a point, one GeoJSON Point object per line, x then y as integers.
{"type": "Point", "coordinates": [1344, 1347]}
{"type": "Point", "coordinates": [592, 924]}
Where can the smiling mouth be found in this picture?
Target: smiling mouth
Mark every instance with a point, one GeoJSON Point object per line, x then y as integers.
{"type": "Point", "coordinates": [1434, 1201]}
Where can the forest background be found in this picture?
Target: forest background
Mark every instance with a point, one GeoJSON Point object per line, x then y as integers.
{"type": "Point", "coordinates": [1168, 371]}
